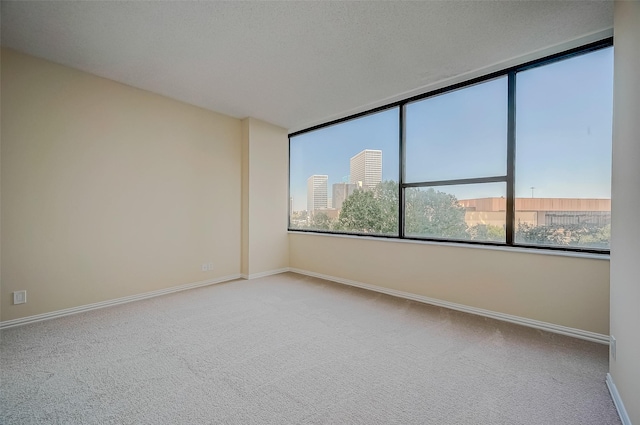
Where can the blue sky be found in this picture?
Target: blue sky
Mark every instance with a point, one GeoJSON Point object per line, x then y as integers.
{"type": "Point", "coordinates": [563, 133]}
{"type": "Point", "coordinates": [328, 151]}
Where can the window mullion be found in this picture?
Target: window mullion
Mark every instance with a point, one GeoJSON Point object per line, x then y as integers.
{"type": "Point", "coordinates": [401, 173]}
{"type": "Point", "coordinates": [511, 157]}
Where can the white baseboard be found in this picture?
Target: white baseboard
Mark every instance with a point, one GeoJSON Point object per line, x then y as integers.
{"type": "Point", "coordinates": [264, 274]}
{"type": "Point", "coordinates": [550, 327]}
{"type": "Point", "coordinates": [87, 307]}
{"type": "Point", "coordinates": [615, 395]}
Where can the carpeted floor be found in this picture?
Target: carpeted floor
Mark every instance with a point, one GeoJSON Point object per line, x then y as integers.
{"type": "Point", "coordinates": [290, 349]}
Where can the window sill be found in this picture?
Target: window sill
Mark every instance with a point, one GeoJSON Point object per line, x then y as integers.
{"type": "Point", "coordinates": [516, 249]}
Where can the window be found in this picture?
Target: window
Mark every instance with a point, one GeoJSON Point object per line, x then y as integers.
{"type": "Point", "coordinates": [563, 156]}
{"type": "Point", "coordinates": [456, 212]}
{"type": "Point", "coordinates": [459, 134]}
{"type": "Point", "coordinates": [456, 156]}
{"type": "Point", "coordinates": [344, 177]}
{"type": "Point", "coordinates": [520, 157]}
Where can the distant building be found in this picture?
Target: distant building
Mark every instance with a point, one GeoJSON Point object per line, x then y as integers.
{"type": "Point", "coordinates": [366, 169]}
{"type": "Point", "coordinates": [539, 211]}
{"type": "Point", "coordinates": [341, 192]}
{"type": "Point", "coordinates": [316, 192]}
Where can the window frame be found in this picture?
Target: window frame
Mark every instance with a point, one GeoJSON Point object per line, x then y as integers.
{"type": "Point", "coordinates": [509, 178]}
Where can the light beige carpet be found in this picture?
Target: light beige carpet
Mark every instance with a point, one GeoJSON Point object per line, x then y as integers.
{"type": "Point", "coordinates": [289, 349]}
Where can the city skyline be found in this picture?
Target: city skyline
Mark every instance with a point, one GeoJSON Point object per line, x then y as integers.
{"type": "Point", "coordinates": [365, 171]}
{"type": "Point", "coordinates": [328, 151]}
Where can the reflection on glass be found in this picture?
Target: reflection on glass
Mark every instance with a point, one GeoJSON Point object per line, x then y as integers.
{"type": "Point", "coordinates": [464, 212]}
{"type": "Point", "coordinates": [563, 154]}
{"type": "Point", "coordinates": [343, 178]}
{"type": "Point", "coordinates": [459, 134]}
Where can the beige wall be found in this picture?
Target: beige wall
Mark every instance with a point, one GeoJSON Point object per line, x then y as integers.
{"type": "Point", "coordinates": [265, 164]}
{"type": "Point", "coordinates": [625, 232]}
{"type": "Point", "coordinates": [110, 191]}
{"type": "Point", "coordinates": [245, 198]}
{"type": "Point", "coordinates": [566, 291]}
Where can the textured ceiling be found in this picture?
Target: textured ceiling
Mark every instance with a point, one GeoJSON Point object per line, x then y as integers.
{"type": "Point", "coordinates": [293, 64]}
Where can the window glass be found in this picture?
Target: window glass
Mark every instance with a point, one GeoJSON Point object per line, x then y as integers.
{"type": "Point", "coordinates": [344, 178]}
{"type": "Point", "coordinates": [563, 152]}
{"type": "Point", "coordinates": [465, 212]}
{"type": "Point", "coordinates": [458, 134]}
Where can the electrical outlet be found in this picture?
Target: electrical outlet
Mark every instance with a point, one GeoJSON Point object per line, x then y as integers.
{"type": "Point", "coordinates": [204, 267]}
{"type": "Point", "coordinates": [20, 297]}
{"type": "Point", "coordinates": [210, 266]}
{"type": "Point", "coordinates": [612, 346]}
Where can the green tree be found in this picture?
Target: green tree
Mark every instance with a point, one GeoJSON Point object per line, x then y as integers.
{"type": "Point", "coordinates": [298, 220]}
{"type": "Point", "coordinates": [487, 232]}
{"type": "Point", "coordinates": [386, 194]}
{"type": "Point", "coordinates": [427, 212]}
{"type": "Point", "coordinates": [580, 235]}
{"type": "Point", "coordinates": [371, 211]}
{"type": "Point", "coordinates": [320, 221]}
{"type": "Point", "coordinates": [432, 213]}
{"type": "Point", "coordinates": [597, 237]}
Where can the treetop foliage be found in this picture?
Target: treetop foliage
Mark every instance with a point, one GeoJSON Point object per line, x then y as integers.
{"type": "Point", "coordinates": [430, 213]}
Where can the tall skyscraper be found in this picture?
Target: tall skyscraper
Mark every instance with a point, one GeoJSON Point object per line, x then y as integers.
{"type": "Point", "coordinates": [341, 192]}
{"type": "Point", "coordinates": [366, 169]}
{"type": "Point", "coordinates": [316, 192]}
